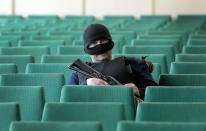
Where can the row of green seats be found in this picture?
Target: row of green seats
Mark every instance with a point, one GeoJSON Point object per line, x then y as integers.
{"type": "Point", "coordinates": [58, 64]}
{"type": "Point", "coordinates": [31, 108]}
{"type": "Point", "coordinates": [94, 126]}
{"type": "Point", "coordinates": [175, 94]}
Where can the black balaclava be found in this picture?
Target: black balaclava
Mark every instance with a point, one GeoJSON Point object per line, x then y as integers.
{"type": "Point", "coordinates": [94, 32]}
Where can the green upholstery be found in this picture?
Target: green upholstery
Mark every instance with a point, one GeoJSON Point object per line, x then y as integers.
{"type": "Point", "coordinates": [175, 94]}
{"type": "Point", "coordinates": [196, 42]}
{"type": "Point", "coordinates": [63, 58]}
{"type": "Point", "coordinates": [49, 68]}
{"type": "Point", "coordinates": [52, 83]}
{"type": "Point", "coordinates": [158, 42]}
{"type": "Point", "coordinates": [52, 44]}
{"type": "Point", "coordinates": [183, 80]}
{"type": "Point", "coordinates": [36, 52]}
{"type": "Point", "coordinates": [76, 34]}
{"type": "Point", "coordinates": [68, 39]}
{"type": "Point", "coordinates": [30, 99]}
{"type": "Point", "coordinates": [8, 68]}
{"type": "Point", "coordinates": [128, 34]}
{"type": "Point", "coordinates": [173, 112]}
{"type": "Point", "coordinates": [5, 43]}
{"type": "Point", "coordinates": [154, 58]}
{"type": "Point", "coordinates": [13, 39]}
{"type": "Point", "coordinates": [79, 18]}
{"type": "Point", "coordinates": [46, 17]}
{"type": "Point", "coordinates": [169, 51]}
{"type": "Point", "coordinates": [156, 72]}
{"type": "Point", "coordinates": [101, 94]}
{"type": "Point", "coordinates": [188, 68]}
{"type": "Point", "coordinates": [26, 35]}
{"type": "Point", "coordinates": [56, 126]}
{"type": "Point", "coordinates": [20, 61]}
{"type": "Point", "coordinates": [107, 113]}
{"type": "Point", "coordinates": [71, 50]}
{"type": "Point", "coordinates": [194, 50]}
{"type": "Point", "coordinates": [9, 112]}
{"type": "Point", "coordinates": [190, 58]}
{"type": "Point", "coordinates": [160, 126]}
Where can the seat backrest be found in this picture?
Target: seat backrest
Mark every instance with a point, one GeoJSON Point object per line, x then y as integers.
{"type": "Point", "coordinates": [160, 126]}
{"type": "Point", "coordinates": [188, 68]}
{"type": "Point", "coordinates": [175, 94]}
{"type": "Point", "coordinates": [52, 83]}
{"type": "Point", "coordinates": [30, 99]}
{"type": "Point", "coordinates": [63, 58]}
{"type": "Point", "coordinates": [109, 114]}
{"type": "Point", "coordinates": [71, 50]}
{"type": "Point", "coordinates": [55, 126]}
{"type": "Point", "coordinates": [19, 61]}
{"type": "Point", "coordinates": [9, 112]}
{"type": "Point", "coordinates": [190, 58]}
{"type": "Point", "coordinates": [182, 80]}
{"type": "Point", "coordinates": [173, 112]}
{"type": "Point", "coordinates": [101, 94]}
{"type": "Point", "coordinates": [194, 50]}
{"type": "Point", "coordinates": [8, 68]}
{"type": "Point", "coordinates": [52, 44]}
{"type": "Point", "coordinates": [49, 68]}
{"type": "Point", "coordinates": [36, 52]}
{"type": "Point", "coordinates": [158, 42]}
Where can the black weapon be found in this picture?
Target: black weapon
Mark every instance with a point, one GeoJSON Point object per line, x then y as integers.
{"type": "Point", "coordinates": [85, 69]}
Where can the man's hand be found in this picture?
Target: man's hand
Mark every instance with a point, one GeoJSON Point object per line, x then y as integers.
{"type": "Point", "coordinates": [135, 91]}
{"type": "Point", "coordinates": [96, 81]}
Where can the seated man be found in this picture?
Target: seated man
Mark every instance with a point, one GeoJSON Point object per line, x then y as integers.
{"type": "Point", "coordinates": [128, 71]}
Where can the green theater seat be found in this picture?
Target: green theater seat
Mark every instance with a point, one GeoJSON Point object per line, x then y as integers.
{"type": "Point", "coordinates": [101, 94]}
{"type": "Point", "coordinates": [56, 126]}
{"type": "Point", "coordinates": [52, 83]}
{"type": "Point", "coordinates": [109, 114]}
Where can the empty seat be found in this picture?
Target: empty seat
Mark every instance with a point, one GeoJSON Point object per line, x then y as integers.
{"type": "Point", "coordinates": [49, 68]}
{"type": "Point", "coordinates": [37, 52]}
{"type": "Point", "coordinates": [71, 50]}
{"type": "Point", "coordinates": [183, 80]}
{"type": "Point", "coordinates": [52, 44]}
{"type": "Point", "coordinates": [160, 126]}
{"type": "Point", "coordinates": [166, 50]}
{"type": "Point", "coordinates": [190, 58]}
{"type": "Point", "coordinates": [9, 112]}
{"type": "Point", "coordinates": [13, 39]}
{"type": "Point", "coordinates": [8, 68]}
{"type": "Point", "coordinates": [101, 94]}
{"type": "Point", "coordinates": [175, 94]}
{"type": "Point", "coordinates": [56, 126]}
{"type": "Point", "coordinates": [5, 43]}
{"type": "Point", "coordinates": [188, 68]}
{"type": "Point", "coordinates": [19, 61]}
{"type": "Point", "coordinates": [107, 113]}
{"type": "Point", "coordinates": [173, 112]}
{"type": "Point", "coordinates": [197, 42]}
{"type": "Point", "coordinates": [68, 39]}
{"type": "Point", "coordinates": [158, 42]}
{"type": "Point", "coordinates": [52, 83]}
{"type": "Point", "coordinates": [63, 58]}
{"type": "Point", "coordinates": [194, 50]}
{"type": "Point", "coordinates": [30, 99]}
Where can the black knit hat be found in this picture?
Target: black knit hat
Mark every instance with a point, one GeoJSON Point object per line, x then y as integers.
{"type": "Point", "coordinates": [94, 32]}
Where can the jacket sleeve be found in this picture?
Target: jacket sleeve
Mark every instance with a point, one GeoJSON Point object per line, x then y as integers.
{"type": "Point", "coordinates": [141, 71]}
{"type": "Point", "coordinates": [73, 79]}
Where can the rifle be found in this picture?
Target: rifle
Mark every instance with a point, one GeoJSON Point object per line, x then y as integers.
{"type": "Point", "coordinates": [85, 69]}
